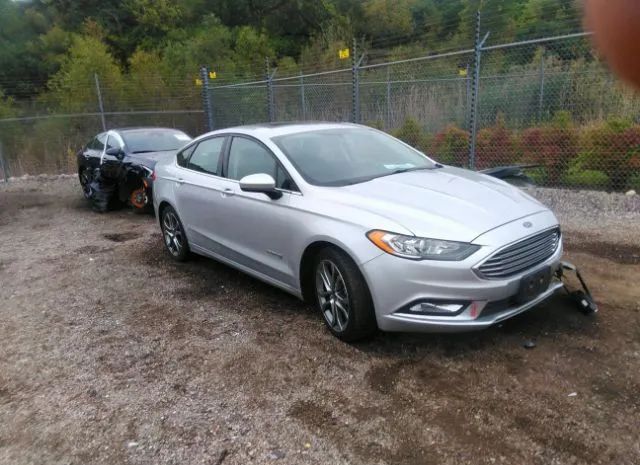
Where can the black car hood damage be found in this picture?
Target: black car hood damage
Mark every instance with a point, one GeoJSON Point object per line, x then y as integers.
{"type": "Point", "coordinates": [133, 173]}
{"type": "Point", "coordinates": [148, 159]}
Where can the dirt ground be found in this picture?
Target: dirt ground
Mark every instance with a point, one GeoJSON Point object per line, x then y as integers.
{"type": "Point", "coordinates": [111, 353]}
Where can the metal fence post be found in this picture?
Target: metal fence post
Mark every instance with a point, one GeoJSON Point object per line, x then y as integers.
{"type": "Point", "coordinates": [473, 118]}
{"type": "Point", "coordinates": [270, 103]}
{"type": "Point", "coordinates": [206, 98]}
{"type": "Point", "coordinates": [100, 103]}
{"type": "Point", "coordinates": [388, 113]}
{"type": "Point", "coordinates": [303, 102]}
{"type": "Point", "coordinates": [355, 84]}
{"type": "Point", "coordinates": [467, 99]}
{"type": "Point", "coordinates": [541, 94]}
{"type": "Point", "coordinates": [3, 166]}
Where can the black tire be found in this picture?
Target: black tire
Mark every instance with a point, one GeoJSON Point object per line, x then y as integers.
{"type": "Point", "coordinates": [173, 235]}
{"type": "Point", "coordinates": [361, 322]}
{"type": "Point", "coordinates": [103, 196]}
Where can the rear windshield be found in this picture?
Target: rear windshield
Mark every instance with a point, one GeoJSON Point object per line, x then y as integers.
{"type": "Point", "coordinates": [154, 140]}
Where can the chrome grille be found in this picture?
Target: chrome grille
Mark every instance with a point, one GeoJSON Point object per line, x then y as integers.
{"type": "Point", "coordinates": [521, 256]}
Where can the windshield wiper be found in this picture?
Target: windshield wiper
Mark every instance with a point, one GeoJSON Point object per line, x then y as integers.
{"type": "Point", "coordinates": [397, 171]}
{"type": "Point", "coordinates": [406, 170]}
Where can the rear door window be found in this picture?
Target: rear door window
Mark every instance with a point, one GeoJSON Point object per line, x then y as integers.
{"type": "Point", "coordinates": [206, 156]}
{"type": "Point", "coordinates": [183, 156]}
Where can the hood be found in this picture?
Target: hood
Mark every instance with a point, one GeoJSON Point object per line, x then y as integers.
{"type": "Point", "coordinates": [445, 203]}
{"type": "Point", "coordinates": [149, 159]}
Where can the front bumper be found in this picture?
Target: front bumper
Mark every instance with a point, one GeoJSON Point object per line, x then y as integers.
{"type": "Point", "coordinates": [463, 322]}
{"type": "Point", "coordinates": [397, 283]}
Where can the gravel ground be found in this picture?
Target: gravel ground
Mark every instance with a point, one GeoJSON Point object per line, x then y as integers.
{"type": "Point", "coordinates": [112, 353]}
{"type": "Point", "coordinates": [609, 217]}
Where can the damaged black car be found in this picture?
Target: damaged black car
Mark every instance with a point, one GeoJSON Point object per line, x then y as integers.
{"type": "Point", "coordinates": [116, 167]}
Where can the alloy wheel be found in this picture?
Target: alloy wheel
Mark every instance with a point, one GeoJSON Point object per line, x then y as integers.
{"type": "Point", "coordinates": [333, 295]}
{"type": "Point", "coordinates": [172, 233]}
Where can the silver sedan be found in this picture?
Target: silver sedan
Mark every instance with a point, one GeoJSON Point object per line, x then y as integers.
{"type": "Point", "coordinates": [373, 232]}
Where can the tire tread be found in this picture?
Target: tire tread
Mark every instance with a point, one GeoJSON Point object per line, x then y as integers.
{"type": "Point", "coordinates": [362, 321]}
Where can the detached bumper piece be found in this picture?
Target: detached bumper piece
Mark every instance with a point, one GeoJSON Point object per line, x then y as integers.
{"type": "Point", "coordinates": [103, 193]}
{"type": "Point", "coordinates": [582, 297]}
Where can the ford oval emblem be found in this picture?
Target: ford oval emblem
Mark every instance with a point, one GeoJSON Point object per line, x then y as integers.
{"type": "Point", "coordinates": [527, 224]}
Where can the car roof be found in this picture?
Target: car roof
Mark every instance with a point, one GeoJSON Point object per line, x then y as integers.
{"type": "Point", "coordinates": [280, 129]}
{"type": "Point", "coordinates": [143, 128]}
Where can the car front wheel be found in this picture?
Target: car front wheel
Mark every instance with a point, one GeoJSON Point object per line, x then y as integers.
{"type": "Point", "coordinates": [175, 240]}
{"type": "Point", "coordinates": [85, 183]}
{"type": "Point", "coordinates": [139, 200]}
{"type": "Point", "coordinates": [342, 296]}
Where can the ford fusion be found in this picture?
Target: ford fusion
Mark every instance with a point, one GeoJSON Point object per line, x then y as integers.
{"type": "Point", "coordinates": [373, 232]}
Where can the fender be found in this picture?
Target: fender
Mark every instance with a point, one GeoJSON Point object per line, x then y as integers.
{"type": "Point", "coordinates": [131, 177]}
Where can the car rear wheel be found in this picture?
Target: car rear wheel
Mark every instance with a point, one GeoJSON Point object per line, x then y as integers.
{"type": "Point", "coordinates": [175, 240]}
{"type": "Point", "coordinates": [342, 296]}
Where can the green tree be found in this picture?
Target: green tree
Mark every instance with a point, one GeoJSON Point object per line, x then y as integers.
{"type": "Point", "coordinates": [389, 17]}
{"type": "Point", "coordinates": [72, 88]}
{"type": "Point", "coordinates": [210, 44]}
{"type": "Point", "coordinates": [22, 70]}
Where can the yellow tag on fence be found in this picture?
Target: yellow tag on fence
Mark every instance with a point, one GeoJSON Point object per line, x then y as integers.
{"type": "Point", "coordinates": [343, 54]}
{"type": "Point", "coordinates": [198, 82]}
{"type": "Point", "coordinates": [212, 75]}
{"type": "Point", "coordinates": [462, 72]}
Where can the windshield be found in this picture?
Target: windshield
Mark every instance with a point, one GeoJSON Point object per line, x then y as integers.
{"type": "Point", "coordinates": [338, 157]}
{"type": "Point", "coordinates": [154, 140]}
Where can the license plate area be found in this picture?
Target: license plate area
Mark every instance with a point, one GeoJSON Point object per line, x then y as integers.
{"type": "Point", "coordinates": [533, 284]}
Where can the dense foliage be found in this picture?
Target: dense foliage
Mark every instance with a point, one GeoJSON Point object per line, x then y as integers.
{"type": "Point", "coordinates": [41, 38]}
{"type": "Point", "coordinates": [576, 124]}
{"type": "Point", "coordinates": [605, 154]}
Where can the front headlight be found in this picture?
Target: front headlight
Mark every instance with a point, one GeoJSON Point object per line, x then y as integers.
{"type": "Point", "coordinates": [420, 248]}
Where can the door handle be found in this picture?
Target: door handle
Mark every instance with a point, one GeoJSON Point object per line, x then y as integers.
{"type": "Point", "coordinates": [180, 181]}
{"type": "Point", "coordinates": [227, 192]}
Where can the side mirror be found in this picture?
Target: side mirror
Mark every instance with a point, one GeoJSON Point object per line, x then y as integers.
{"type": "Point", "coordinates": [262, 183]}
{"type": "Point", "coordinates": [115, 152]}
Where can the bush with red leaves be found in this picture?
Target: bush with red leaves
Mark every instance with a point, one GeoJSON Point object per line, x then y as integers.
{"type": "Point", "coordinates": [451, 146]}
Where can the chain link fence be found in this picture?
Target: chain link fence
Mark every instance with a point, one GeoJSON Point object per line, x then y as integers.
{"type": "Point", "coordinates": [48, 144]}
{"type": "Point", "coordinates": [38, 141]}
{"type": "Point", "coordinates": [548, 103]}
{"type": "Point", "coordinates": [551, 103]}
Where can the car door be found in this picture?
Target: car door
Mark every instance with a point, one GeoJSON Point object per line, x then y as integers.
{"type": "Point", "coordinates": [93, 151]}
{"type": "Point", "coordinates": [110, 165]}
{"type": "Point", "coordinates": [200, 192]}
{"type": "Point", "coordinates": [254, 226]}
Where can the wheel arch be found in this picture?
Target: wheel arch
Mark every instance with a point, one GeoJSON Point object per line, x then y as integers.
{"type": "Point", "coordinates": [306, 264]}
{"type": "Point", "coordinates": [131, 180]}
{"type": "Point", "coordinates": [164, 204]}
